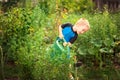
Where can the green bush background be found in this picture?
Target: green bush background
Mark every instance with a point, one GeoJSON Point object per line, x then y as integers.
{"type": "Point", "coordinates": [27, 33]}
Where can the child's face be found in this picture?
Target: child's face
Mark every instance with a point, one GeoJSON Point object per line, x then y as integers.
{"type": "Point", "coordinates": [81, 29]}
{"type": "Point", "coordinates": [81, 26]}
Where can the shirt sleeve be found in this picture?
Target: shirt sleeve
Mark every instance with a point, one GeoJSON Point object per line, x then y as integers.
{"type": "Point", "coordinates": [72, 40]}
{"type": "Point", "coordinates": [66, 24]}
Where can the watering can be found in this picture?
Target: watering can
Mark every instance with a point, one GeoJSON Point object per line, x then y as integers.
{"type": "Point", "coordinates": [60, 51]}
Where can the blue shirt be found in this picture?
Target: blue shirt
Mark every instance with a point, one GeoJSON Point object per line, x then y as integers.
{"type": "Point", "coordinates": [68, 33]}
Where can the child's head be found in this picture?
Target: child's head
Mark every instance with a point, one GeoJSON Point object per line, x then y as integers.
{"type": "Point", "coordinates": [81, 26]}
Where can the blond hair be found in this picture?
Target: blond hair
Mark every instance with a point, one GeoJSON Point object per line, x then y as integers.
{"type": "Point", "coordinates": [82, 22]}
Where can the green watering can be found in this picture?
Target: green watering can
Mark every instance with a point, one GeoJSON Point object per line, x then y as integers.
{"type": "Point", "coordinates": [60, 51]}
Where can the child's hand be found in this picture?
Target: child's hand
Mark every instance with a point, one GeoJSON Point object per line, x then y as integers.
{"type": "Point", "coordinates": [65, 44]}
{"type": "Point", "coordinates": [69, 44]}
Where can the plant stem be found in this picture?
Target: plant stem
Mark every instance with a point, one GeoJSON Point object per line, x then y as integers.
{"type": "Point", "coordinates": [2, 64]}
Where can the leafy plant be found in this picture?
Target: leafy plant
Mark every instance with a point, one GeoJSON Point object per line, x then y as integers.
{"type": "Point", "coordinates": [99, 41]}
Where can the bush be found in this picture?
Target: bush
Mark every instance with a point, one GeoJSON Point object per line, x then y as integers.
{"type": "Point", "coordinates": [99, 40]}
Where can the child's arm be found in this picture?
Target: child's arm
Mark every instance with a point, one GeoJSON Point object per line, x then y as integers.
{"type": "Point", "coordinates": [60, 32]}
{"type": "Point", "coordinates": [61, 36]}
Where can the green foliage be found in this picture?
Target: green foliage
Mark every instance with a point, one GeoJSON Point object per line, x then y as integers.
{"type": "Point", "coordinates": [99, 41]}
{"type": "Point", "coordinates": [53, 70]}
{"type": "Point", "coordinates": [22, 35]}
{"type": "Point", "coordinates": [14, 34]}
{"type": "Point", "coordinates": [27, 35]}
{"type": "Point", "coordinates": [71, 6]}
{"type": "Point", "coordinates": [8, 4]}
{"type": "Point", "coordinates": [77, 5]}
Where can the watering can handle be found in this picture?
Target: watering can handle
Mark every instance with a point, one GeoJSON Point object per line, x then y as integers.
{"type": "Point", "coordinates": [61, 39]}
{"type": "Point", "coordinates": [68, 48]}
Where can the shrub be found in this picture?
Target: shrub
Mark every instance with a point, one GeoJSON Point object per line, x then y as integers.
{"type": "Point", "coordinates": [99, 40]}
